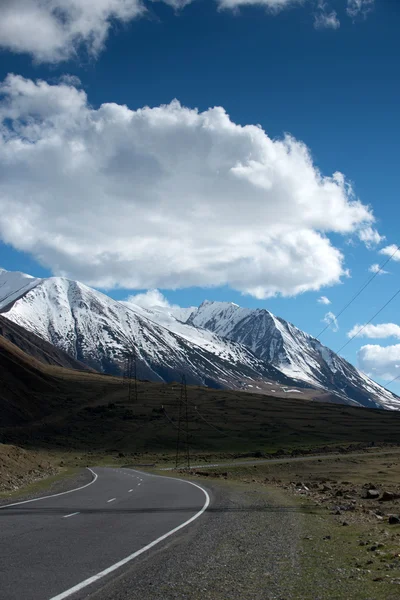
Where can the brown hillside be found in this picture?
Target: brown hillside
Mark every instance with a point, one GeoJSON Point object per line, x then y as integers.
{"type": "Point", "coordinates": [38, 348]}
{"type": "Point", "coordinates": [44, 406]}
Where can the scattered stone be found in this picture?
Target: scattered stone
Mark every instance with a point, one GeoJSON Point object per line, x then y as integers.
{"type": "Point", "coordinates": [394, 519]}
{"type": "Point", "coordinates": [370, 494]}
{"type": "Point", "coordinates": [326, 487]}
{"type": "Point", "coordinates": [388, 496]}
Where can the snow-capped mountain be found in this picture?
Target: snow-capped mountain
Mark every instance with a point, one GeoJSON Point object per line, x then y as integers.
{"type": "Point", "coordinates": [14, 284]}
{"type": "Point", "coordinates": [292, 351]}
{"type": "Point", "coordinates": [220, 344]}
{"type": "Point", "coordinates": [99, 331]}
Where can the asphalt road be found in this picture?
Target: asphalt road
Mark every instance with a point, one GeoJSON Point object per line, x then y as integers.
{"type": "Point", "coordinates": [68, 545]}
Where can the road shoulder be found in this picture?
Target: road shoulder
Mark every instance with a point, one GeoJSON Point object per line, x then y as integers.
{"type": "Point", "coordinates": [244, 547]}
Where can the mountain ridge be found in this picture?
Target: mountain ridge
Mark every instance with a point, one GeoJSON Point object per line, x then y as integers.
{"type": "Point", "coordinates": [220, 345]}
{"type": "Point", "coordinates": [291, 350]}
{"type": "Point", "coordinates": [99, 331]}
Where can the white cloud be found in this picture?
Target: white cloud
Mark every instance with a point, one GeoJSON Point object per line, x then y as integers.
{"type": "Point", "coordinates": [325, 18]}
{"type": "Point", "coordinates": [323, 300]}
{"type": "Point", "coordinates": [380, 361]}
{"type": "Point", "coordinates": [382, 330]}
{"type": "Point", "coordinates": [165, 197]}
{"type": "Point", "coordinates": [370, 237]}
{"type": "Point", "coordinates": [151, 299]}
{"type": "Point", "coordinates": [54, 30]}
{"type": "Point", "coordinates": [70, 80]}
{"type": "Point", "coordinates": [359, 8]}
{"type": "Point", "coordinates": [392, 251]}
{"type": "Point", "coordinates": [375, 268]}
{"type": "Point", "coordinates": [272, 5]}
{"type": "Point", "coordinates": [331, 320]}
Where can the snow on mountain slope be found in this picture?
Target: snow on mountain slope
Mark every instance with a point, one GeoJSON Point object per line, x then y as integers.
{"type": "Point", "coordinates": [221, 344]}
{"type": "Point", "coordinates": [223, 348]}
{"type": "Point", "coordinates": [292, 351]}
{"type": "Point", "coordinates": [99, 331]}
{"type": "Point", "coordinates": [13, 284]}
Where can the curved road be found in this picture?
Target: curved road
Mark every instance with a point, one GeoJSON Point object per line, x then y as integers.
{"type": "Point", "coordinates": [61, 546]}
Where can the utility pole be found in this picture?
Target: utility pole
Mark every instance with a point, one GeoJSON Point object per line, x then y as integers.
{"type": "Point", "coordinates": [183, 426]}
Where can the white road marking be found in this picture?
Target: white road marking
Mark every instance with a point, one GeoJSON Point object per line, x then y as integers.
{"type": "Point", "coordinates": [54, 495]}
{"type": "Point", "coordinates": [71, 515]}
{"type": "Point", "coordinates": [124, 561]}
{"type": "Point", "coordinates": [139, 484]}
{"type": "Point", "coordinates": [111, 500]}
{"type": "Point", "coordinates": [130, 490]}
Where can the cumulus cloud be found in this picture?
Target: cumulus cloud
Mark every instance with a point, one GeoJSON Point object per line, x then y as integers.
{"type": "Point", "coordinates": [53, 30]}
{"type": "Point", "coordinates": [380, 361]}
{"type": "Point", "coordinates": [375, 268]}
{"type": "Point", "coordinates": [370, 237]}
{"type": "Point", "coordinates": [393, 251]}
{"type": "Point", "coordinates": [331, 320]}
{"type": "Point", "coordinates": [165, 197]}
{"type": "Point", "coordinates": [382, 330]}
{"type": "Point", "coordinates": [325, 18]}
{"type": "Point", "coordinates": [151, 299]}
{"type": "Point", "coordinates": [359, 8]}
{"type": "Point", "coordinates": [323, 300]}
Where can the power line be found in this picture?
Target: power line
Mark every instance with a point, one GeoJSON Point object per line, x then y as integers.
{"type": "Point", "coordinates": [372, 318]}
{"type": "Point", "coordinates": [208, 423]}
{"type": "Point", "coordinates": [169, 418]}
{"type": "Point", "coordinates": [392, 380]}
{"type": "Point", "coordinates": [359, 292]}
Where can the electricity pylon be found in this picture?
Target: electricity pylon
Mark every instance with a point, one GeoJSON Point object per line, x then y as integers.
{"type": "Point", "coordinates": [182, 442]}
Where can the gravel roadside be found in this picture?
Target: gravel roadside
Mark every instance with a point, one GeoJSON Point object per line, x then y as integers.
{"type": "Point", "coordinates": [245, 547]}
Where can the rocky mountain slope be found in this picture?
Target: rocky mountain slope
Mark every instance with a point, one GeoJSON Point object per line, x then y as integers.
{"type": "Point", "coordinates": [37, 347]}
{"type": "Point", "coordinates": [292, 351]}
{"type": "Point", "coordinates": [99, 331]}
{"type": "Point", "coordinates": [220, 344]}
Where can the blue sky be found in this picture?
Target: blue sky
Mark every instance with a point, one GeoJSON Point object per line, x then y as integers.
{"type": "Point", "coordinates": [335, 89]}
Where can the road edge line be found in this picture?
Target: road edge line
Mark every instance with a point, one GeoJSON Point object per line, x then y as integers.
{"type": "Point", "coordinates": [54, 495]}
{"type": "Point", "coordinates": [129, 558]}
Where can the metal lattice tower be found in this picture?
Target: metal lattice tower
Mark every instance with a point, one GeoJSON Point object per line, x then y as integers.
{"type": "Point", "coordinates": [130, 373]}
{"type": "Point", "coordinates": [182, 442]}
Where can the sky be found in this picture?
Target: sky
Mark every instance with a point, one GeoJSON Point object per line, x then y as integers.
{"type": "Point", "coordinates": [226, 150]}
